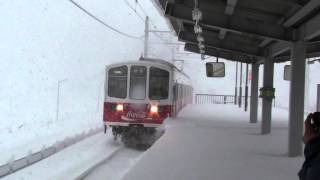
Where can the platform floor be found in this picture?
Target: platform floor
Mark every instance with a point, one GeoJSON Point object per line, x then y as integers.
{"type": "Point", "coordinates": [217, 142]}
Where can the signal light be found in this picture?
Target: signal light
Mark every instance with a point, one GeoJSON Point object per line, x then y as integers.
{"type": "Point", "coordinates": [154, 109]}
{"type": "Point", "coordinates": [119, 107]}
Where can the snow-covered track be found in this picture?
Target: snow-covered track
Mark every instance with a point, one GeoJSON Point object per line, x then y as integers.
{"type": "Point", "coordinates": [97, 164]}
{"type": "Point", "coordinates": [17, 164]}
{"type": "Point", "coordinates": [116, 166]}
{"type": "Point", "coordinates": [119, 163]}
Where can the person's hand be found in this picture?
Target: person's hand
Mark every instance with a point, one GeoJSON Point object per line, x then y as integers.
{"type": "Point", "coordinates": [309, 132]}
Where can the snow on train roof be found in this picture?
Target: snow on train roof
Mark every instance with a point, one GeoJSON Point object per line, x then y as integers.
{"type": "Point", "coordinates": [151, 61]}
{"type": "Point", "coordinates": [146, 61]}
{"type": "Point", "coordinates": [159, 61]}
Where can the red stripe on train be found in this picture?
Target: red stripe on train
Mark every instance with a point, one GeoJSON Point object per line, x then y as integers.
{"type": "Point", "coordinates": [135, 113]}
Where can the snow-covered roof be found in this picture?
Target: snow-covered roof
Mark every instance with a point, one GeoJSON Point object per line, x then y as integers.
{"type": "Point", "coordinates": [152, 61]}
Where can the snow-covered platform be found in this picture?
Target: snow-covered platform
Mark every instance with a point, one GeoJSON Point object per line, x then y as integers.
{"type": "Point", "coordinates": [217, 142]}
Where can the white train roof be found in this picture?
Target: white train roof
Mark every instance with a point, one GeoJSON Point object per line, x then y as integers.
{"type": "Point", "coordinates": [150, 61]}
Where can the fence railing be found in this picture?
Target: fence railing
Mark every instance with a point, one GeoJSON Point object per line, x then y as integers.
{"type": "Point", "coordinates": [224, 99]}
{"type": "Point", "coordinates": [216, 99]}
{"type": "Point", "coordinates": [14, 165]}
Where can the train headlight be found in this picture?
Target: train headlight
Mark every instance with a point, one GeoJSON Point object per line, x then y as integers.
{"type": "Point", "coordinates": [154, 109]}
{"type": "Point", "coordinates": [119, 107]}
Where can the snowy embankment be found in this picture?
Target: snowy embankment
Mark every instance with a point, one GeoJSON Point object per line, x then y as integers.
{"type": "Point", "coordinates": [96, 157]}
{"type": "Point", "coordinates": [216, 142]}
{"type": "Point", "coordinates": [72, 162]}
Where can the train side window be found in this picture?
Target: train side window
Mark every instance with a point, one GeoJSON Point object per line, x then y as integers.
{"type": "Point", "coordinates": [117, 82]}
{"type": "Point", "coordinates": [138, 78]}
{"type": "Point", "coordinates": [158, 84]}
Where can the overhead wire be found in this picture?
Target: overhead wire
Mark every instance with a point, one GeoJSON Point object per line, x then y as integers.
{"type": "Point", "coordinates": [134, 10]}
{"type": "Point", "coordinates": [104, 23]}
{"type": "Point", "coordinates": [146, 14]}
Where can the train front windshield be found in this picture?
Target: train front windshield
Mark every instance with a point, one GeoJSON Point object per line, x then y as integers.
{"type": "Point", "coordinates": [138, 78]}
{"type": "Point", "coordinates": [117, 82]}
{"type": "Point", "coordinates": [158, 84]}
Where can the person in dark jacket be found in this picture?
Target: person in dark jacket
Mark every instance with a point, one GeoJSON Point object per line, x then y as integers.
{"type": "Point", "coordinates": [311, 167]}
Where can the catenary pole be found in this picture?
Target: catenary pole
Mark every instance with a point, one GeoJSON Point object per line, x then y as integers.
{"type": "Point", "coordinates": [146, 37]}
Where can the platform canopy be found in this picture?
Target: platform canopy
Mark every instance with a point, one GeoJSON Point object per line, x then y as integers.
{"type": "Point", "coordinates": [245, 30]}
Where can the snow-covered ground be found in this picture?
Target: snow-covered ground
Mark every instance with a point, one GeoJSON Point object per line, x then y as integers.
{"type": "Point", "coordinates": [204, 142]}
{"type": "Point", "coordinates": [97, 157]}
{"type": "Point", "coordinates": [71, 162]}
{"type": "Point", "coordinates": [217, 142]}
{"type": "Point", "coordinates": [117, 166]}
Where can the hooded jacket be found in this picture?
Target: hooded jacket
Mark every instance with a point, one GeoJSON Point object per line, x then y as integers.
{"type": "Point", "coordinates": [311, 167]}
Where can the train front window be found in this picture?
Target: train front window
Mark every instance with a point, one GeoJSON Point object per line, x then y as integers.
{"type": "Point", "coordinates": [158, 84]}
{"type": "Point", "coordinates": [138, 78]}
{"type": "Point", "coordinates": [117, 82]}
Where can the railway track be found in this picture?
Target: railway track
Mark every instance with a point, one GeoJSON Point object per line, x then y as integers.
{"type": "Point", "coordinates": [115, 166]}
{"type": "Point", "coordinates": [87, 159]}
{"type": "Point", "coordinates": [118, 163]}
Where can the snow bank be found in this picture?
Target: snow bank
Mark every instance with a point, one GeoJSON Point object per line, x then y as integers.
{"type": "Point", "coordinates": [73, 161]}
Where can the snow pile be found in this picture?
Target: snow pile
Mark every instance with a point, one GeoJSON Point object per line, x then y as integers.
{"type": "Point", "coordinates": [218, 145]}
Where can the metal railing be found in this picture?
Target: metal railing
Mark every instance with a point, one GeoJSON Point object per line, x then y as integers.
{"type": "Point", "coordinates": [216, 99]}
{"type": "Point", "coordinates": [225, 99]}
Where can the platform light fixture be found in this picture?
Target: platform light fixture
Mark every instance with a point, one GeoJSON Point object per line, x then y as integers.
{"type": "Point", "coordinates": [202, 57]}
{"type": "Point", "coordinates": [197, 28]}
{"type": "Point", "coordinates": [197, 17]}
{"type": "Point", "coordinates": [196, 14]}
{"type": "Point", "coordinates": [201, 45]}
{"type": "Point", "coordinates": [200, 38]}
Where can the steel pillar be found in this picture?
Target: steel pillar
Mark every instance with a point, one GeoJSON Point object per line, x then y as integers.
{"type": "Point", "coordinates": [267, 103]}
{"type": "Point", "coordinates": [240, 87]}
{"type": "Point", "coordinates": [236, 88]}
{"type": "Point", "coordinates": [306, 86]}
{"type": "Point", "coordinates": [318, 98]}
{"type": "Point", "coordinates": [296, 105]}
{"type": "Point", "coordinates": [246, 90]}
{"type": "Point", "coordinates": [254, 93]}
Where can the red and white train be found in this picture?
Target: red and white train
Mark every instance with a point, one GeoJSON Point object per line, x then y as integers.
{"type": "Point", "coordinates": [140, 95]}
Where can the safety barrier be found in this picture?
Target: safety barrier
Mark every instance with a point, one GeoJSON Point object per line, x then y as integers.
{"type": "Point", "coordinates": [224, 99]}
{"type": "Point", "coordinates": [16, 164]}
{"type": "Point", "coordinates": [216, 99]}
